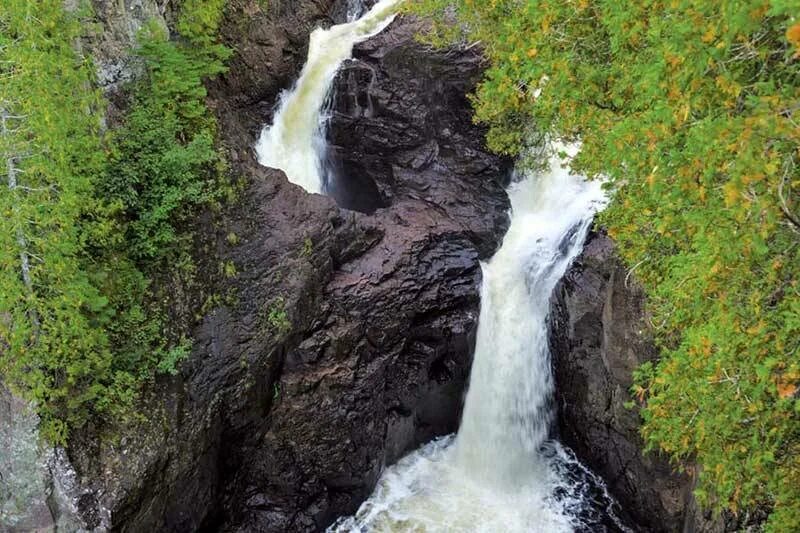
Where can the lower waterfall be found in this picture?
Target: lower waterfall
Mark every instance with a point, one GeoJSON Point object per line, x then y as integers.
{"type": "Point", "coordinates": [500, 472]}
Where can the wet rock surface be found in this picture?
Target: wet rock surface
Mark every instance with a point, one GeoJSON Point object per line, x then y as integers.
{"type": "Point", "coordinates": [401, 129]}
{"type": "Point", "coordinates": [599, 335]}
{"type": "Point", "coordinates": [345, 339]}
{"type": "Point", "coordinates": [382, 353]}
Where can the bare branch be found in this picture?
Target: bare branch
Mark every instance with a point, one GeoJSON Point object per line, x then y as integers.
{"type": "Point", "coordinates": [36, 189]}
{"type": "Point", "coordinates": [637, 265]}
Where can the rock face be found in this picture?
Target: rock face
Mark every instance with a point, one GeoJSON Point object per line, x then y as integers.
{"type": "Point", "coordinates": [121, 21]}
{"type": "Point", "coordinates": [345, 339]}
{"type": "Point", "coordinates": [599, 335]}
{"type": "Point", "coordinates": [394, 135]}
{"type": "Point", "coordinates": [381, 355]}
{"type": "Point", "coordinates": [23, 489]}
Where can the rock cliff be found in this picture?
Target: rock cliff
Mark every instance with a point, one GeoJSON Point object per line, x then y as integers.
{"type": "Point", "coordinates": [599, 335]}
{"type": "Point", "coordinates": [345, 339]}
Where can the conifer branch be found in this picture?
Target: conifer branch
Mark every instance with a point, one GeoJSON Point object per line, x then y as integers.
{"type": "Point", "coordinates": [12, 171]}
{"type": "Point", "coordinates": [791, 217]}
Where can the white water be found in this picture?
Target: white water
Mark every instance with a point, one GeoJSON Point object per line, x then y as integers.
{"type": "Point", "coordinates": [295, 141]}
{"type": "Point", "coordinates": [500, 473]}
{"type": "Point", "coordinates": [355, 8]}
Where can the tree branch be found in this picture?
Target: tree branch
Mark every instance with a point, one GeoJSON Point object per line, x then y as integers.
{"type": "Point", "coordinates": [791, 217]}
{"type": "Point", "coordinates": [11, 174]}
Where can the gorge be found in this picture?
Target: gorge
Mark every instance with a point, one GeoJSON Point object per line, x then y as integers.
{"type": "Point", "coordinates": [405, 351]}
{"type": "Point", "coordinates": [500, 472]}
{"type": "Point", "coordinates": [508, 415]}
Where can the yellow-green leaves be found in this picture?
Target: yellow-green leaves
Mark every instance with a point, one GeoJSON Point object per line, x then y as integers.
{"type": "Point", "coordinates": [86, 219]}
{"type": "Point", "coordinates": [692, 108]}
{"type": "Point", "coordinates": [53, 145]}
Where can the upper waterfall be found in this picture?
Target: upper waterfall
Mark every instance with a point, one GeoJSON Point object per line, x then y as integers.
{"type": "Point", "coordinates": [295, 141]}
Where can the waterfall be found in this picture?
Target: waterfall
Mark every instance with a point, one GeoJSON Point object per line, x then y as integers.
{"type": "Point", "coordinates": [507, 413]}
{"type": "Point", "coordinates": [500, 472]}
{"type": "Point", "coordinates": [355, 9]}
{"type": "Point", "coordinates": [295, 142]}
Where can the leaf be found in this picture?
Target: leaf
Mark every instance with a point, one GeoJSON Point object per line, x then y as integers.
{"type": "Point", "coordinates": [786, 389]}
{"type": "Point", "coordinates": [793, 36]}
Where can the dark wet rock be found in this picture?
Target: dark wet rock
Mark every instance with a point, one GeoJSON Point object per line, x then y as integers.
{"type": "Point", "coordinates": [380, 364]}
{"type": "Point", "coordinates": [402, 129]}
{"type": "Point", "coordinates": [345, 339]}
{"type": "Point", "coordinates": [380, 371]}
{"type": "Point", "coordinates": [270, 40]}
{"type": "Point", "coordinates": [599, 335]}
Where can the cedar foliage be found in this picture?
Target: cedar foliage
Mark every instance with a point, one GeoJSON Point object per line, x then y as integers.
{"type": "Point", "coordinates": [90, 218]}
{"type": "Point", "coordinates": [691, 109]}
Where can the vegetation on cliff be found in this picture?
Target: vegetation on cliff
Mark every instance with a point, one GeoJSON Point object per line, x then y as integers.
{"type": "Point", "coordinates": [690, 108]}
{"type": "Point", "coordinates": [91, 217]}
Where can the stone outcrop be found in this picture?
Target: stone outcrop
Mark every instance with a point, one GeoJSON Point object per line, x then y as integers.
{"type": "Point", "coordinates": [111, 49]}
{"type": "Point", "coordinates": [599, 335]}
{"type": "Point", "coordinates": [394, 135]}
{"type": "Point", "coordinates": [383, 366]}
{"type": "Point", "coordinates": [382, 351]}
{"type": "Point", "coordinates": [23, 468]}
{"type": "Point", "coordinates": [346, 337]}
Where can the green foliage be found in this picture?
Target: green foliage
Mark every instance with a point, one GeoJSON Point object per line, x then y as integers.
{"type": "Point", "coordinates": [49, 343]}
{"type": "Point", "coordinates": [690, 108]}
{"type": "Point", "coordinates": [170, 363]}
{"type": "Point", "coordinates": [164, 162]}
{"type": "Point", "coordinates": [88, 221]}
{"type": "Point", "coordinates": [199, 23]}
{"type": "Point", "coordinates": [308, 247]}
{"type": "Point", "coordinates": [277, 317]}
{"type": "Point", "coordinates": [228, 269]}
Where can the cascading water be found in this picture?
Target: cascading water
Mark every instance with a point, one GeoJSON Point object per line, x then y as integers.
{"type": "Point", "coordinates": [355, 9]}
{"type": "Point", "coordinates": [295, 142]}
{"type": "Point", "coordinates": [500, 473]}
{"type": "Point", "coordinates": [507, 414]}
